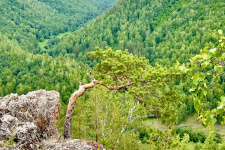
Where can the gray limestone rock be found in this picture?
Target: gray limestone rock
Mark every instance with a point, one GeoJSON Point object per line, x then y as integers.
{"type": "Point", "coordinates": [8, 126]}
{"type": "Point", "coordinates": [68, 145]}
{"type": "Point", "coordinates": [30, 120]}
{"type": "Point", "coordinates": [27, 136]}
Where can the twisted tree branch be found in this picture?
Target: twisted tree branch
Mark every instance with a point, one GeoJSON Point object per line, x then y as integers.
{"type": "Point", "coordinates": [77, 94]}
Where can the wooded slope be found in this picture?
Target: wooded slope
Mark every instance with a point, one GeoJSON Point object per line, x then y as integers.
{"type": "Point", "coordinates": [22, 72]}
{"type": "Point", "coordinates": [30, 21]}
{"type": "Point", "coordinates": [161, 30]}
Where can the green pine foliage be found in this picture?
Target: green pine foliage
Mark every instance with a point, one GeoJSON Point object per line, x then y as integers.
{"type": "Point", "coordinates": [148, 84]}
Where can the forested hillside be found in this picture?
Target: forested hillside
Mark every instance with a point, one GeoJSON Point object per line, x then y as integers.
{"type": "Point", "coordinates": [163, 31]}
{"type": "Point", "coordinates": [22, 72]}
{"type": "Point", "coordinates": [30, 21]}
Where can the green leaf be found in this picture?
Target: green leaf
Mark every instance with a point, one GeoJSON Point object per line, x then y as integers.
{"type": "Point", "coordinates": [213, 121]}
{"type": "Point", "coordinates": [192, 89]}
{"type": "Point", "coordinates": [214, 35]}
{"type": "Point", "coordinates": [216, 68]}
{"type": "Point", "coordinates": [220, 107]}
{"type": "Point", "coordinates": [195, 77]}
{"type": "Point", "coordinates": [183, 68]}
{"type": "Point", "coordinates": [197, 104]}
{"type": "Point", "coordinates": [217, 79]}
{"type": "Point", "coordinates": [205, 64]}
{"type": "Point", "coordinates": [213, 50]}
{"type": "Point", "coordinates": [204, 56]}
{"type": "Point", "coordinates": [209, 55]}
{"type": "Point", "coordinates": [222, 98]}
{"type": "Point", "coordinates": [195, 82]}
{"type": "Point", "coordinates": [202, 76]}
{"type": "Point", "coordinates": [201, 95]}
{"type": "Point", "coordinates": [196, 116]}
{"type": "Point", "coordinates": [204, 92]}
{"type": "Point", "coordinates": [219, 111]}
{"type": "Point", "coordinates": [220, 31]}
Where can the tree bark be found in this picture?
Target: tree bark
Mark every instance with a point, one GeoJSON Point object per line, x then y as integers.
{"type": "Point", "coordinates": [70, 108]}
{"type": "Point", "coordinates": [76, 95]}
{"type": "Point", "coordinates": [96, 119]}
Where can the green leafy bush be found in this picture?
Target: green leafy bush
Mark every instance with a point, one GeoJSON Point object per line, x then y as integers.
{"type": "Point", "coordinates": [193, 136]}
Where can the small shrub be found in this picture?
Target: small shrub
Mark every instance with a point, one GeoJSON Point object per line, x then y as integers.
{"type": "Point", "coordinates": [143, 135]}
{"type": "Point", "coordinates": [201, 136]}
{"type": "Point", "coordinates": [217, 137]}
{"type": "Point", "coordinates": [193, 136]}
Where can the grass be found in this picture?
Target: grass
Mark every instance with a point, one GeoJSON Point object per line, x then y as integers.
{"type": "Point", "coordinates": [190, 121]}
{"type": "Point", "coordinates": [154, 123]}
{"type": "Point", "coordinates": [45, 41]}
{"type": "Point", "coordinates": [196, 126]}
{"type": "Point", "coordinates": [61, 35]}
{"type": "Point", "coordinates": [220, 129]}
{"type": "Point", "coordinates": [191, 145]}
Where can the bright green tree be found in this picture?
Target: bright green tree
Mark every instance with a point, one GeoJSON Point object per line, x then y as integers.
{"type": "Point", "coordinates": [120, 70]}
{"type": "Point", "coordinates": [206, 69]}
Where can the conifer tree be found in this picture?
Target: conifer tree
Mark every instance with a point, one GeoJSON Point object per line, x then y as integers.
{"type": "Point", "coordinates": [120, 70]}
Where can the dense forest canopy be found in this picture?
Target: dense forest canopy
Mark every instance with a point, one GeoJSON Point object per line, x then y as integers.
{"type": "Point", "coordinates": [162, 31]}
{"type": "Point", "coordinates": [22, 72]}
{"type": "Point", "coordinates": [169, 52]}
{"type": "Point", "coordinates": [30, 21]}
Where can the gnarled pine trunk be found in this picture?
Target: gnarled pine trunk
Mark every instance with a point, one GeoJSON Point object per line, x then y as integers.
{"type": "Point", "coordinates": [70, 108]}
{"type": "Point", "coordinates": [76, 95]}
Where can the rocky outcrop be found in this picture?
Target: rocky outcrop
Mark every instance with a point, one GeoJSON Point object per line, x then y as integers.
{"type": "Point", "coordinates": [30, 120]}
{"type": "Point", "coordinates": [74, 145]}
